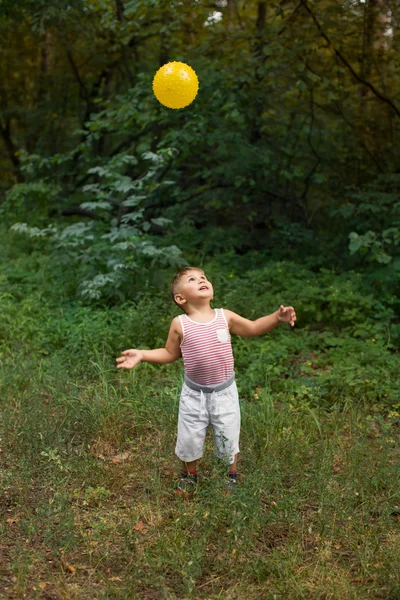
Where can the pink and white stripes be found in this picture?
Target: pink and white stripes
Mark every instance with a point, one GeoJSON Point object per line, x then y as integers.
{"type": "Point", "coordinates": [206, 349]}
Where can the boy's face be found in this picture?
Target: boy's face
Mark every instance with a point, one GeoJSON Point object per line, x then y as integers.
{"type": "Point", "coordinates": [194, 286]}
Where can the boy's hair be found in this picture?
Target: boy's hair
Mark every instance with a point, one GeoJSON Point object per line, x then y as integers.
{"type": "Point", "coordinates": [177, 279]}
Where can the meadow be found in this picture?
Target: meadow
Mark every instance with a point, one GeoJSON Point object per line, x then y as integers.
{"type": "Point", "coordinates": [87, 464]}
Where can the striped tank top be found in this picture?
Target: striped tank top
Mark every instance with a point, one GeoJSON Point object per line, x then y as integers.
{"type": "Point", "coordinates": [206, 349]}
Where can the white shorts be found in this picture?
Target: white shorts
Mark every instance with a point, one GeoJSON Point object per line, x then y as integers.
{"type": "Point", "coordinates": [197, 410]}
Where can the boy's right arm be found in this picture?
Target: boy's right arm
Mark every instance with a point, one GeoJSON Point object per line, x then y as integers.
{"type": "Point", "coordinates": [163, 356]}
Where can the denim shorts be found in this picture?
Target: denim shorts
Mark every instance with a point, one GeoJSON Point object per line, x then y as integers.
{"type": "Point", "coordinates": [198, 409]}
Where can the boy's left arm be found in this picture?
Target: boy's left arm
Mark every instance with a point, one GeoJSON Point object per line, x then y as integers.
{"type": "Point", "coordinates": [246, 328]}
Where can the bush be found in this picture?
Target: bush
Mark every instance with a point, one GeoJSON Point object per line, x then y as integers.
{"type": "Point", "coordinates": [28, 202]}
{"type": "Point", "coordinates": [343, 348]}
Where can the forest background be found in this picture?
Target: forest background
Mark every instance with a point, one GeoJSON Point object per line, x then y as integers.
{"type": "Point", "coordinates": [282, 181]}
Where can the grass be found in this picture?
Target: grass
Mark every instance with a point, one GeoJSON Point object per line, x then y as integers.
{"type": "Point", "coordinates": [87, 465]}
{"type": "Point", "coordinates": [88, 510]}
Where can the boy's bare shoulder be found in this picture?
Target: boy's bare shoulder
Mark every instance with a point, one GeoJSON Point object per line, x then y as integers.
{"type": "Point", "coordinates": [176, 325]}
{"type": "Point", "coordinates": [229, 314]}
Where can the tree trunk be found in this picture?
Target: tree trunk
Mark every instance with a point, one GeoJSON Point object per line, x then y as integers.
{"type": "Point", "coordinates": [255, 134]}
{"type": "Point", "coordinates": [230, 14]}
{"type": "Point", "coordinates": [5, 131]}
{"type": "Point", "coordinates": [44, 66]}
{"type": "Point", "coordinates": [374, 40]}
{"type": "Point", "coordinates": [119, 10]}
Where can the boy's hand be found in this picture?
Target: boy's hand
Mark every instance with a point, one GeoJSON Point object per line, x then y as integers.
{"type": "Point", "coordinates": [129, 359]}
{"type": "Point", "coordinates": [286, 314]}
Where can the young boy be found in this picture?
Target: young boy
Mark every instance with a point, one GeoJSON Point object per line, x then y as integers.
{"type": "Point", "coordinates": [209, 394]}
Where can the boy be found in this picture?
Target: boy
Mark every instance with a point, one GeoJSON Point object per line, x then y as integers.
{"type": "Point", "coordinates": [209, 394]}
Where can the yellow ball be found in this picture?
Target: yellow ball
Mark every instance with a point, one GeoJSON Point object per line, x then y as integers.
{"type": "Point", "coordinates": [175, 85]}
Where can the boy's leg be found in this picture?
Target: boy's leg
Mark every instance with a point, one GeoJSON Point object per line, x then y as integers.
{"type": "Point", "coordinates": [192, 427]}
{"type": "Point", "coordinates": [189, 467]}
{"type": "Point", "coordinates": [232, 466]}
{"type": "Point", "coordinates": [232, 480]}
{"type": "Point", "coordinates": [187, 482]}
{"type": "Point", "coordinates": [225, 419]}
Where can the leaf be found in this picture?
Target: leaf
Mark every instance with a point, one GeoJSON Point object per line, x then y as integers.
{"type": "Point", "coordinates": [313, 76]}
{"type": "Point", "coordinates": [301, 85]}
{"type": "Point", "coordinates": [91, 188]}
{"type": "Point", "coordinates": [287, 175]}
{"type": "Point", "coordinates": [101, 171]}
{"type": "Point", "coordinates": [96, 205]}
{"type": "Point", "coordinates": [132, 217]}
{"type": "Point", "coordinates": [123, 185]}
{"type": "Point", "coordinates": [161, 221]}
{"type": "Point", "coordinates": [154, 158]}
{"type": "Point", "coordinates": [119, 458]}
{"type": "Point", "coordinates": [133, 200]}
{"type": "Point", "coordinates": [355, 242]}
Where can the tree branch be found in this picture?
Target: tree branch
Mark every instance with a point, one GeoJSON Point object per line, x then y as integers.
{"type": "Point", "coordinates": [360, 140]}
{"type": "Point", "coordinates": [72, 211]}
{"type": "Point", "coordinates": [373, 89]}
{"type": "Point", "coordinates": [82, 86]}
{"type": "Point", "coordinates": [310, 142]}
{"type": "Point", "coordinates": [289, 19]}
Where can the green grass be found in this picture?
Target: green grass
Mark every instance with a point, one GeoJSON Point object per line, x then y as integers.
{"type": "Point", "coordinates": [87, 465]}
{"type": "Point", "coordinates": [88, 509]}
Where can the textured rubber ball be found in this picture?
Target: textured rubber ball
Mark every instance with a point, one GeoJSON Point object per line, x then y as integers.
{"type": "Point", "coordinates": [175, 85]}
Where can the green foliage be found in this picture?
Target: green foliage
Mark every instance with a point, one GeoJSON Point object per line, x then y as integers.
{"type": "Point", "coordinates": [343, 349]}
{"type": "Point", "coordinates": [374, 211]}
{"type": "Point", "coordinates": [117, 245]}
{"type": "Point", "coordinates": [29, 202]}
{"type": "Point", "coordinates": [371, 218]}
{"type": "Point", "coordinates": [271, 145]}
